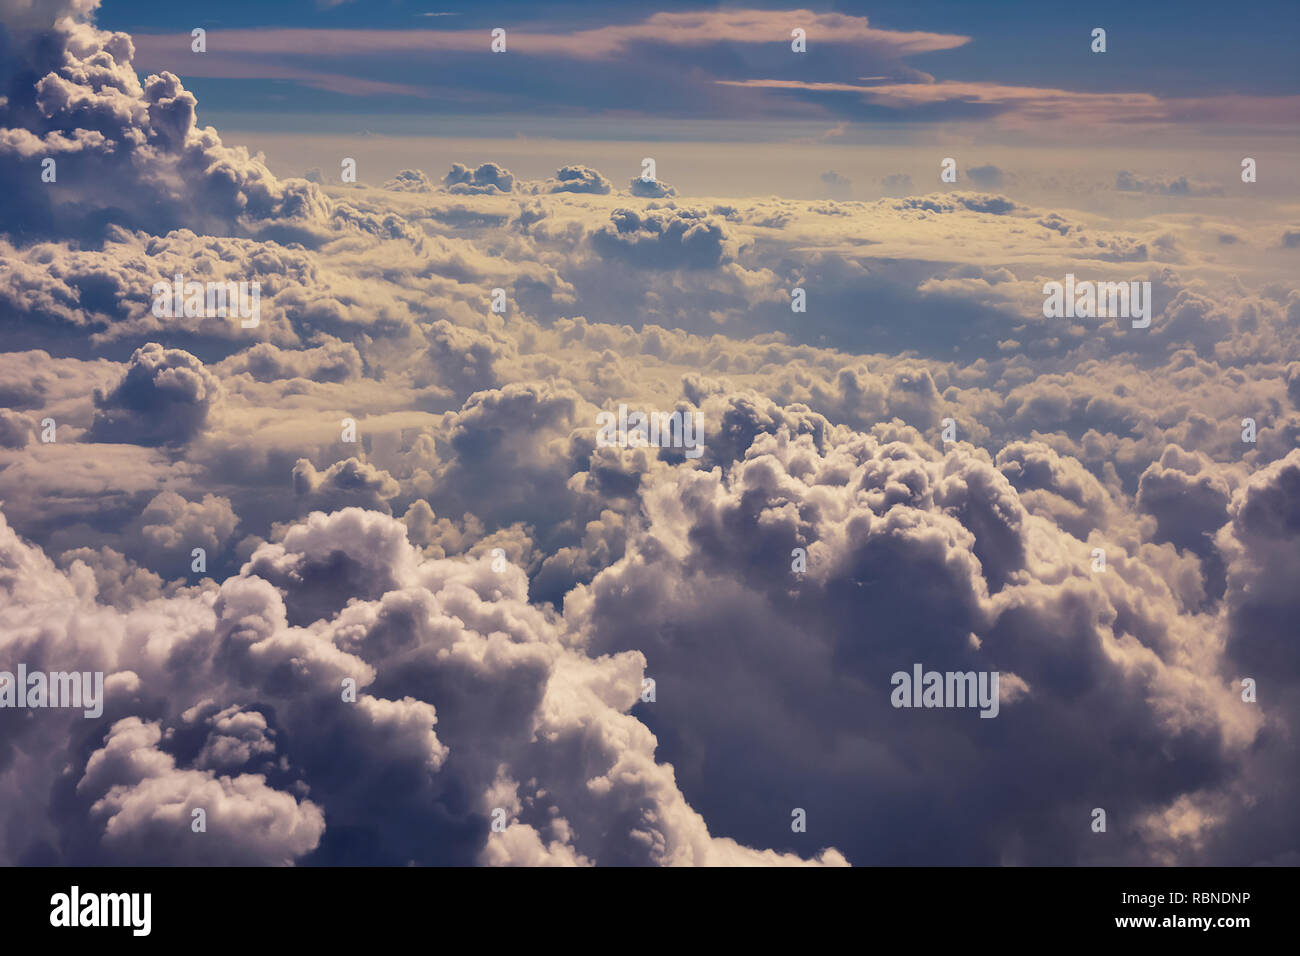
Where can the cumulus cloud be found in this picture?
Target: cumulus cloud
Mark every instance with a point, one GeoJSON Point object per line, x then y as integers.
{"type": "Point", "coordinates": [349, 481]}
{"type": "Point", "coordinates": [1187, 497]}
{"type": "Point", "coordinates": [513, 700]}
{"type": "Point", "coordinates": [679, 238]}
{"type": "Point", "coordinates": [144, 804]}
{"type": "Point", "coordinates": [335, 361]}
{"type": "Point", "coordinates": [911, 556]}
{"type": "Point", "coordinates": [92, 115]}
{"type": "Point", "coordinates": [410, 181]}
{"type": "Point", "coordinates": [650, 189]}
{"type": "Point", "coordinates": [16, 429]}
{"type": "Point", "coordinates": [164, 398]}
{"type": "Point", "coordinates": [487, 179]}
{"type": "Point", "coordinates": [577, 179]}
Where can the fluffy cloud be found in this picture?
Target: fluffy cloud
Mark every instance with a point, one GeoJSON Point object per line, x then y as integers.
{"type": "Point", "coordinates": [912, 556]}
{"type": "Point", "coordinates": [16, 429]}
{"type": "Point", "coordinates": [487, 179]}
{"type": "Point", "coordinates": [650, 189]}
{"type": "Point", "coordinates": [164, 398]}
{"type": "Point", "coordinates": [410, 181]}
{"type": "Point", "coordinates": [664, 239]}
{"type": "Point", "coordinates": [577, 179]}
{"type": "Point", "coordinates": [522, 720]}
{"type": "Point", "coordinates": [90, 112]}
{"type": "Point", "coordinates": [345, 482]}
{"type": "Point", "coordinates": [143, 804]}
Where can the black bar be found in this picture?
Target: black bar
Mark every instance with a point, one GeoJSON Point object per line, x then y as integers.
{"type": "Point", "coordinates": [305, 905]}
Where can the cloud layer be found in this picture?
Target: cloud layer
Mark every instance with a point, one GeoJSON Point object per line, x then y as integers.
{"type": "Point", "coordinates": [434, 618]}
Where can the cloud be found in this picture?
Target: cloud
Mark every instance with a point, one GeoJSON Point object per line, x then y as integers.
{"type": "Point", "coordinates": [1130, 182]}
{"type": "Point", "coordinates": [488, 178]}
{"type": "Point", "coordinates": [672, 29]}
{"type": "Point", "coordinates": [90, 110]}
{"type": "Point", "coordinates": [410, 629]}
{"type": "Point", "coordinates": [950, 202]}
{"type": "Point", "coordinates": [163, 399]}
{"type": "Point", "coordinates": [1187, 497]}
{"type": "Point", "coordinates": [654, 189]}
{"type": "Point", "coordinates": [16, 429]}
{"type": "Point", "coordinates": [664, 239]}
{"type": "Point", "coordinates": [909, 553]}
{"type": "Point", "coordinates": [171, 524]}
{"type": "Point", "coordinates": [144, 805]}
{"type": "Point", "coordinates": [577, 179]}
{"type": "Point", "coordinates": [344, 483]}
{"type": "Point", "coordinates": [410, 181]}
{"type": "Point", "coordinates": [334, 361]}
{"type": "Point", "coordinates": [1019, 105]}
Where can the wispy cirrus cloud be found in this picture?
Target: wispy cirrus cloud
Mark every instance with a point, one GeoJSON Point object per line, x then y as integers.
{"type": "Point", "coordinates": [1038, 103]}
{"type": "Point", "coordinates": [707, 28]}
{"type": "Point", "coordinates": [631, 56]}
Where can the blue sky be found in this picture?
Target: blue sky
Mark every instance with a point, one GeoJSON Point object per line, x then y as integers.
{"type": "Point", "coordinates": [1168, 50]}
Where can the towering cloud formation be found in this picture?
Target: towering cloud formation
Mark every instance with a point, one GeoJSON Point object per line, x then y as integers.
{"type": "Point", "coordinates": [90, 113]}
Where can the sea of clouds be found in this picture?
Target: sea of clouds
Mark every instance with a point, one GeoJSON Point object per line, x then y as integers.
{"type": "Point", "coordinates": [521, 688]}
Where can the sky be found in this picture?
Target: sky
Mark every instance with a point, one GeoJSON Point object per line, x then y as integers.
{"type": "Point", "coordinates": [372, 575]}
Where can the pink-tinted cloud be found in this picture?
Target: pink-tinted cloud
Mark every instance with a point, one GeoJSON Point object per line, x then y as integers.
{"type": "Point", "coordinates": [1038, 103]}
{"type": "Point", "coordinates": [675, 29]}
